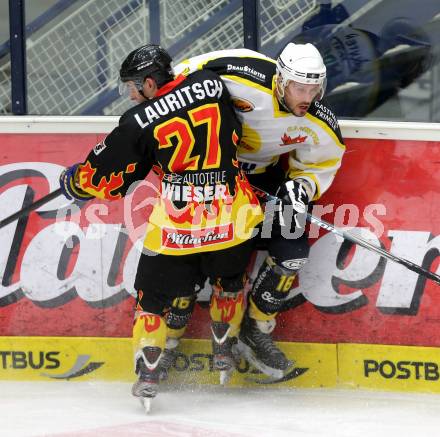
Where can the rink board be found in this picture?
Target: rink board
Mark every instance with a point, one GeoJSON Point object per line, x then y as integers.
{"type": "Point", "coordinates": [400, 368]}
{"type": "Point", "coordinates": [343, 294]}
{"type": "Point", "coordinates": [81, 359]}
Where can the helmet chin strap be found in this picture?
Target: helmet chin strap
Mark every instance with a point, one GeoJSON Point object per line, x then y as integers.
{"type": "Point", "coordinates": [282, 102]}
{"type": "Point", "coordinates": [280, 95]}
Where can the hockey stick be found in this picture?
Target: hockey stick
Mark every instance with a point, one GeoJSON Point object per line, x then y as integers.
{"type": "Point", "coordinates": [359, 241]}
{"type": "Point", "coordinates": [27, 209]}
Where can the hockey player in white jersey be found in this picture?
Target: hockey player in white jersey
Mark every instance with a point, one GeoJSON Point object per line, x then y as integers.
{"type": "Point", "coordinates": [279, 105]}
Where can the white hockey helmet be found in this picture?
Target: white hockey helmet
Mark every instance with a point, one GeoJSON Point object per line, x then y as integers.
{"type": "Point", "coordinates": [301, 63]}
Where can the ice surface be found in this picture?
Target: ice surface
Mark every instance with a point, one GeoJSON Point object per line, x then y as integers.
{"type": "Point", "coordinates": [63, 409]}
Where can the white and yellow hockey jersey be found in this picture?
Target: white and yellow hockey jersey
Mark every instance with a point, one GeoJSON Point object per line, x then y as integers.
{"type": "Point", "coordinates": [314, 142]}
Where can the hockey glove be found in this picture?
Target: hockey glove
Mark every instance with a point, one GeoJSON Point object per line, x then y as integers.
{"type": "Point", "coordinates": [69, 187]}
{"type": "Point", "coordinates": [293, 198]}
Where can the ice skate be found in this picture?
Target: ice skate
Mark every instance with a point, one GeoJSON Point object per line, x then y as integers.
{"type": "Point", "coordinates": [256, 345]}
{"type": "Point", "coordinates": [223, 347]}
{"type": "Point", "coordinates": [147, 385]}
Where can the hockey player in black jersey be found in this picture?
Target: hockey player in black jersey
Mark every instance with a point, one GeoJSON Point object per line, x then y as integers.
{"type": "Point", "coordinates": [185, 130]}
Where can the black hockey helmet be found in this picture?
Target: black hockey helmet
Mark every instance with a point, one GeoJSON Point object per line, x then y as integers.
{"type": "Point", "coordinates": [149, 60]}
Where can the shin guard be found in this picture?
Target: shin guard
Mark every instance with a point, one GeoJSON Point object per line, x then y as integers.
{"type": "Point", "coordinates": [178, 316]}
{"type": "Point", "coordinates": [149, 338]}
{"type": "Point", "coordinates": [226, 310]}
{"type": "Point", "coordinates": [269, 291]}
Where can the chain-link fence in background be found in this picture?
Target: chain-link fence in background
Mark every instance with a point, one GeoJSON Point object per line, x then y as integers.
{"type": "Point", "coordinates": [67, 60]}
{"type": "Point", "coordinates": [72, 62]}
{"type": "Point", "coordinates": [380, 65]}
{"type": "Point", "coordinates": [5, 86]}
{"type": "Point", "coordinates": [277, 19]}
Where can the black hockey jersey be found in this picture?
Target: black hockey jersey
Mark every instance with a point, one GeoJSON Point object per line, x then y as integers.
{"type": "Point", "coordinates": [188, 135]}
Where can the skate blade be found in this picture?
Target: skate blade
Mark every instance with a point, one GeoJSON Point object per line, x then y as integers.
{"type": "Point", "coordinates": [146, 403]}
{"type": "Point", "coordinates": [294, 373]}
{"type": "Point", "coordinates": [225, 376]}
{"type": "Point", "coordinates": [249, 355]}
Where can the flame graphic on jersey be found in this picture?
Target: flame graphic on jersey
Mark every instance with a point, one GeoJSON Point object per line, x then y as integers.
{"type": "Point", "coordinates": [235, 138]}
{"type": "Point", "coordinates": [245, 187]}
{"type": "Point", "coordinates": [220, 213]}
{"type": "Point", "coordinates": [195, 212]}
{"type": "Point", "coordinates": [105, 187]}
{"type": "Point", "coordinates": [287, 140]}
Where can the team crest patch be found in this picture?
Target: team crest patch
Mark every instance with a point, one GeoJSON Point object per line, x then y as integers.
{"type": "Point", "coordinates": [242, 105]}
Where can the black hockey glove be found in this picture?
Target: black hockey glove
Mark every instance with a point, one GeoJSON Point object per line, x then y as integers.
{"type": "Point", "coordinates": [69, 187]}
{"type": "Point", "coordinates": [293, 201]}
